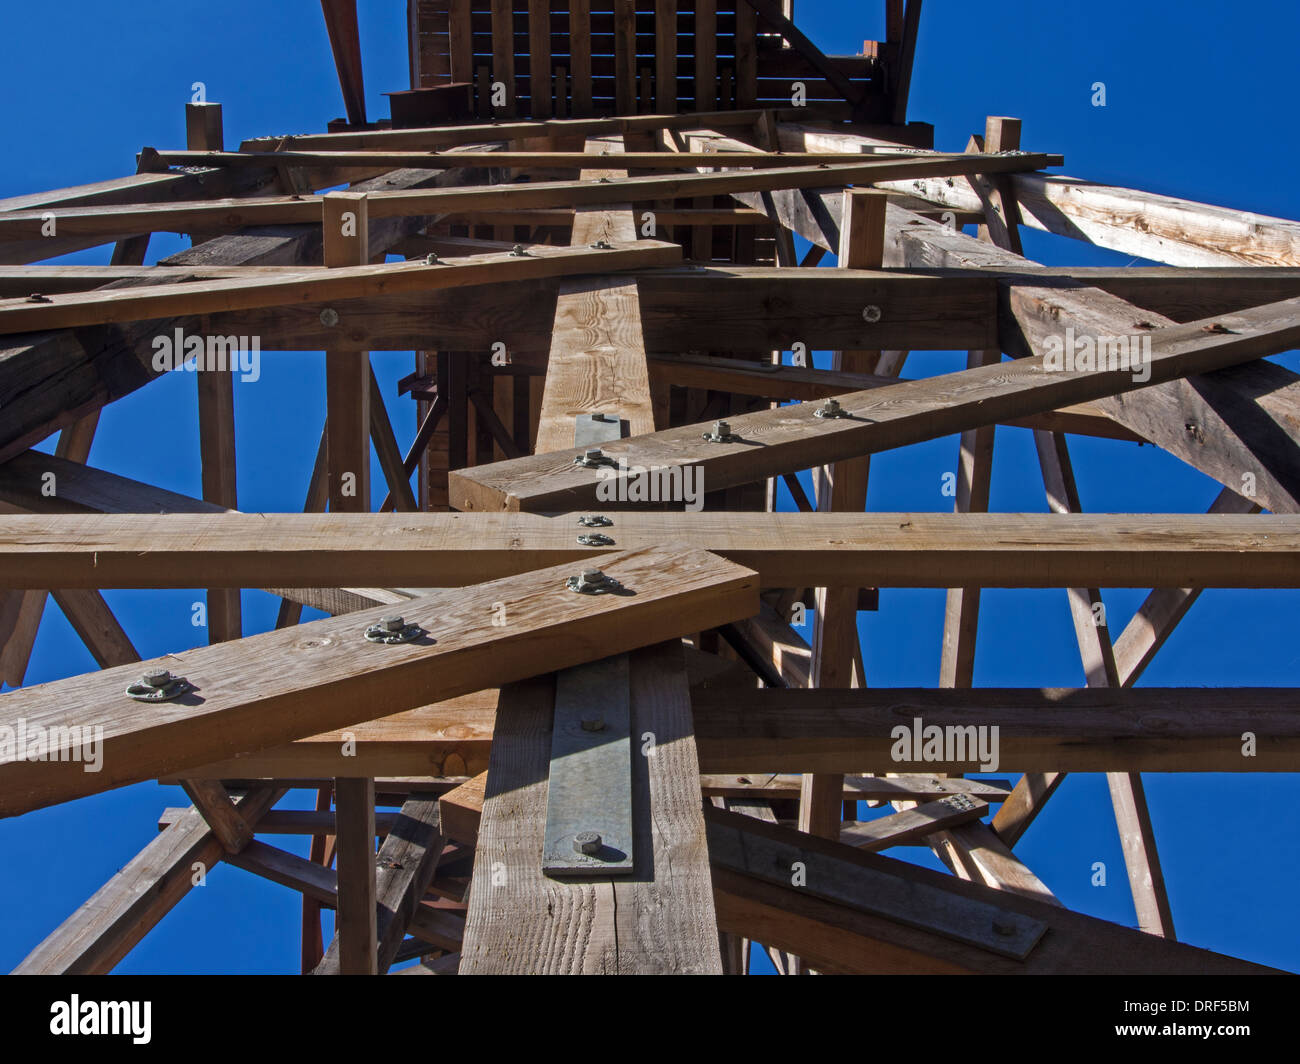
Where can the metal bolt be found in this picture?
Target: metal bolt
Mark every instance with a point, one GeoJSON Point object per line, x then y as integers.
{"type": "Point", "coordinates": [595, 539]}
{"type": "Point", "coordinates": [592, 576]}
{"type": "Point", "coordinates": [594, 724]}
{"type": "Point", "coordinates": [602, 245]}
{"type": "Point", "coordinates": [871, 313]}
{"type": "Point", "coordinates": [587, 842]}
{"type": "Point", "coordinates": [721, 433]}
{"type": "Point", "coordinates": [830, 408]}
{"type": "Point", "coordinates": [36, 297]}
{"type": "Point", "coordinates": [595, 521]}
{"type": "Point", "coordinates": [1004, 926]}
{"type": "Point", "coordinates": [156, 678]}
{"type": "Point", "coordinates": [329, 317]}
{"type": "Point", "coordinates": [431, 259]}
{"type": "Point", "coordinates": [518, 251]}
{"type": "Point", "coordinates": [392, 623]}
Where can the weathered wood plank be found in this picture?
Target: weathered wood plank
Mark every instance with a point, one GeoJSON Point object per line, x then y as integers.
{"type": "Point", "coordinates": [327, 674]}
{"type": "Point", "coordinates": [787, 549]}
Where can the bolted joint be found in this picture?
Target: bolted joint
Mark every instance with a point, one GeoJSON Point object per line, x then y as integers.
{"type": "Point", "coordinates": [602, 245]}
{"type": "Point", "coordinates": [593, 457]}
{"type": "Point", "coordinates": [595, 539]}
{"type": "Point", "coordinates": [432, 259]}
{"type": "Point", "coordinates": [518, 251]}
{"type": "Point", "coordinates": [329, 317]}
{"type": "Point", "coordinates": [588, 842]}
{"type": "Point", "coordinates": [595, 521]}
{"type": "Point", "coordinates": [830, 409]}
{"type": "Point", "coordinates": [592, 582]}
{"type": "Point", "coordinates": [721, 433]}
{"type": "Point", "coordinates": [159, 685]}
{"type": "Point", "coordinates": [393, 629]}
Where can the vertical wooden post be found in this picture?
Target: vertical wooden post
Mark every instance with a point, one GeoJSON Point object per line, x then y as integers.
{"type": "Point", "coordinates": [347, 370]}
{"type": "Point", "coordinates": [836, 654]}
{"type": "Point", "coordinates": [216, 390]}
{"type": "Point", "coordinates": [356, 916]}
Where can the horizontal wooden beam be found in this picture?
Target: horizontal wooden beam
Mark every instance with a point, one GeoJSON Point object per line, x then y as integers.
{"type": "Point", "coordinates": [446, 136]}
{"type": "Point", "coordinates": [786, 550]}
{"type": "Point", "coordinates": [1038, 730]}
{"type": "Point", "coordinates": [348, 282]}
{"type": "Point", "coordinates": [848, 731]}
{"type": "Point", "coordinates": [224, 215]}
{"type": "Point", "coordinates": [327, 674]}
{"type": "Point", "coordinates": [574, 160]}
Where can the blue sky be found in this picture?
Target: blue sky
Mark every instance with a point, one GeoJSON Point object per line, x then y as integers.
{"type": "Point", "coordinates": [1197, 100]}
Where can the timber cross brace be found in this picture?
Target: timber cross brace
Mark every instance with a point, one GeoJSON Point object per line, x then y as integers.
{"type": "Point", "coordinates": [589, 666]}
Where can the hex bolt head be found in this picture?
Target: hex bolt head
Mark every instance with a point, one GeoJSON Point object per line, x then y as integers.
{"type": "Point", "coordinates": [721, 428]}
{"type": "Point", "coordinates": [518, 249]}
{"type": "Point", "coordinates": [592, 576]}
{"type": "Point", "coordinates": [329, 317]}
{"type": "Point", "coordinates": [831, 406]}
{"type": "Point", "coordinates": [588, 842]}
{"type": "Point", "coordinates": [156, 678]}
{"type": "Point", "coordinates": [593, 454]}
{"type": "Point", "coordinates": [593, 724]}
{"type": "Point", "coordinates": [393, 623]}
{"type": "Point", "coordinates": [1004, 926]}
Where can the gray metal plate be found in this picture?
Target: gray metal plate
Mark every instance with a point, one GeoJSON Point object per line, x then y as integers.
{"type": "Point", "coordinates": [590, 429]}
{"type": "Point", "coordinates": [591, 771]}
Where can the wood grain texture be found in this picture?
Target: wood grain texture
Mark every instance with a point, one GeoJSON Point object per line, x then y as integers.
{"type": "Point", "coordinates": [659, 921]}
{"type": "Point", "coordinates": [328, 675]}
{"type": "Point", "coordinates": [1176, 551]}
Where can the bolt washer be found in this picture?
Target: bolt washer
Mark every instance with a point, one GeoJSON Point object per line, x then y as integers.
{"type": "Point", "coordinates": [595, 539]}
{"type": "Point", "coordinates": [592, 582]}
{"type": "Point", "coordinates": [595, 521]}
{"type": "Point", "coordinates": [387, 632]}
{"type": "Point", "coordinates": [159, 687]}
{"type": "Point", "coordinates": [721, 434]}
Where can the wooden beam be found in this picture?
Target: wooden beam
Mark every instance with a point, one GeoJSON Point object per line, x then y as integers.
{"type": "Point", "coordinates": [406, 864]}
{"type": "Point", "coordinates": [850, 935]}
{"type": "Point", "coordinates": [122, 912]}
{"type": "Point", "coordinates": [330, 666]}
{"type": "Point", "coordinates": [116, 221]}
{"type": "Point", "coordinates": [345, 283]}
{"type": "Point", "coordinates": [62, 377]}
{"type": "Point", "coordinates": [345, 43]}
{"type": "Point", "coordinates": [795, 438]}
{"type": "Point", "coordinates": [660, 920]}
{"type": "Point", "coordinates": [346, 234]}
{"type": "Point", "coordinates": [356, 951]}
{"type": "Point", "coordinates": [1146, 729]}
{"type": "Point", "coordinates": [842, 488]}
{"type": "Point", "coordinates": [787, 550]}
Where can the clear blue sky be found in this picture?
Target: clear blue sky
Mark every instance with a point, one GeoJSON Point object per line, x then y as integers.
{"type": "Point", "coordinates": [1194, 91]}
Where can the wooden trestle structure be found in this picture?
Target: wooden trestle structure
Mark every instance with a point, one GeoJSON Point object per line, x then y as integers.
{"type": "Point", "coordinates": [596, 205]}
